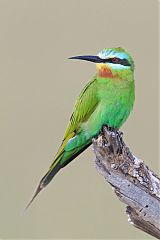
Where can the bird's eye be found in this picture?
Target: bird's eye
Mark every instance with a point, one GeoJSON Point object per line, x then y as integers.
{"type": "Point", "coordinates": [115, 60]}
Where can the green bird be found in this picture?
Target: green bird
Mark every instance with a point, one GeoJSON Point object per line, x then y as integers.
{"type": "Point", "coordinates": [106, 100]}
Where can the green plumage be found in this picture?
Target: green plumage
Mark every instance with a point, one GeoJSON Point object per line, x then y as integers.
{"type": "Point", "coordinates": [106, 100]}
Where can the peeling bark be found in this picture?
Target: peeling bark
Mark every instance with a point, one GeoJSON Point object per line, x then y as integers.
{"type": "Point", "coordinates": [134, 183]}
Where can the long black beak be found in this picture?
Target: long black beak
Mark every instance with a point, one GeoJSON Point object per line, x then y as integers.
{"type": "Point", "coordinates": [89, 58]}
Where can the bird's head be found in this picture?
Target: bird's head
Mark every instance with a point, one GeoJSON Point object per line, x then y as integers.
{"type": "Point", "coordinates": [111, 62]}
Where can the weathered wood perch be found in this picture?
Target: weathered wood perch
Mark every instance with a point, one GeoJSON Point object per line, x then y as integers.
{"type": "Point", "coordinates": [134, 183]}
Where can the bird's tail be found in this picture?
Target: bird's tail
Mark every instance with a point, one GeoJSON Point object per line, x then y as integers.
{"type": "Point", "coordinates": [56, 166]}
{"type": "Point", "coordinates": [62, 159]}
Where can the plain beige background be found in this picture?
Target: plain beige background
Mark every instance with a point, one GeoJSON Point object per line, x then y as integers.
{"type": "Point", "coordinates": [38, 90]}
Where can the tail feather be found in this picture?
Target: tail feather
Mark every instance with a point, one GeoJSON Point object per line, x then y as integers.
{"type": "Point", "coordinates": [44, 182]}
{"type": "Point", "coordinates": [61, 161]}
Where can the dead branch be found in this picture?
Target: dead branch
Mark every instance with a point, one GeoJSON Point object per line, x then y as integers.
{"type": "Point", "coordinates": [135, 185]}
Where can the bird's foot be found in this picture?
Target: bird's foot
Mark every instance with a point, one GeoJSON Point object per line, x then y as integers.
{"type": "Point", "coordinates": [109, 129]}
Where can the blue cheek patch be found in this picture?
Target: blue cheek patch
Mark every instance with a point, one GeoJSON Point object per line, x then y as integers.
{"type": "Point", "coordinates": [117, 66]}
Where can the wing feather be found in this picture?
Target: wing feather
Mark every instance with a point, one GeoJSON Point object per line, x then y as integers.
{"type": "Point", "coordinates": [84, 107]}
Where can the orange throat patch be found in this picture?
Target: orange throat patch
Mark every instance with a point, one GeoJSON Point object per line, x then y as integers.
{"type": "Point", "coordinates": [104, 71]}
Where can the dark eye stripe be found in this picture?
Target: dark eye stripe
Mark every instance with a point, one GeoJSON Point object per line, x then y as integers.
{"type": "Point", "coordinates": [123, 62]}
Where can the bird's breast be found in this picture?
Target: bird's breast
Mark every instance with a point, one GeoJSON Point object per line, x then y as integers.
{"type": "Point", "coordinates": [112, 110]}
